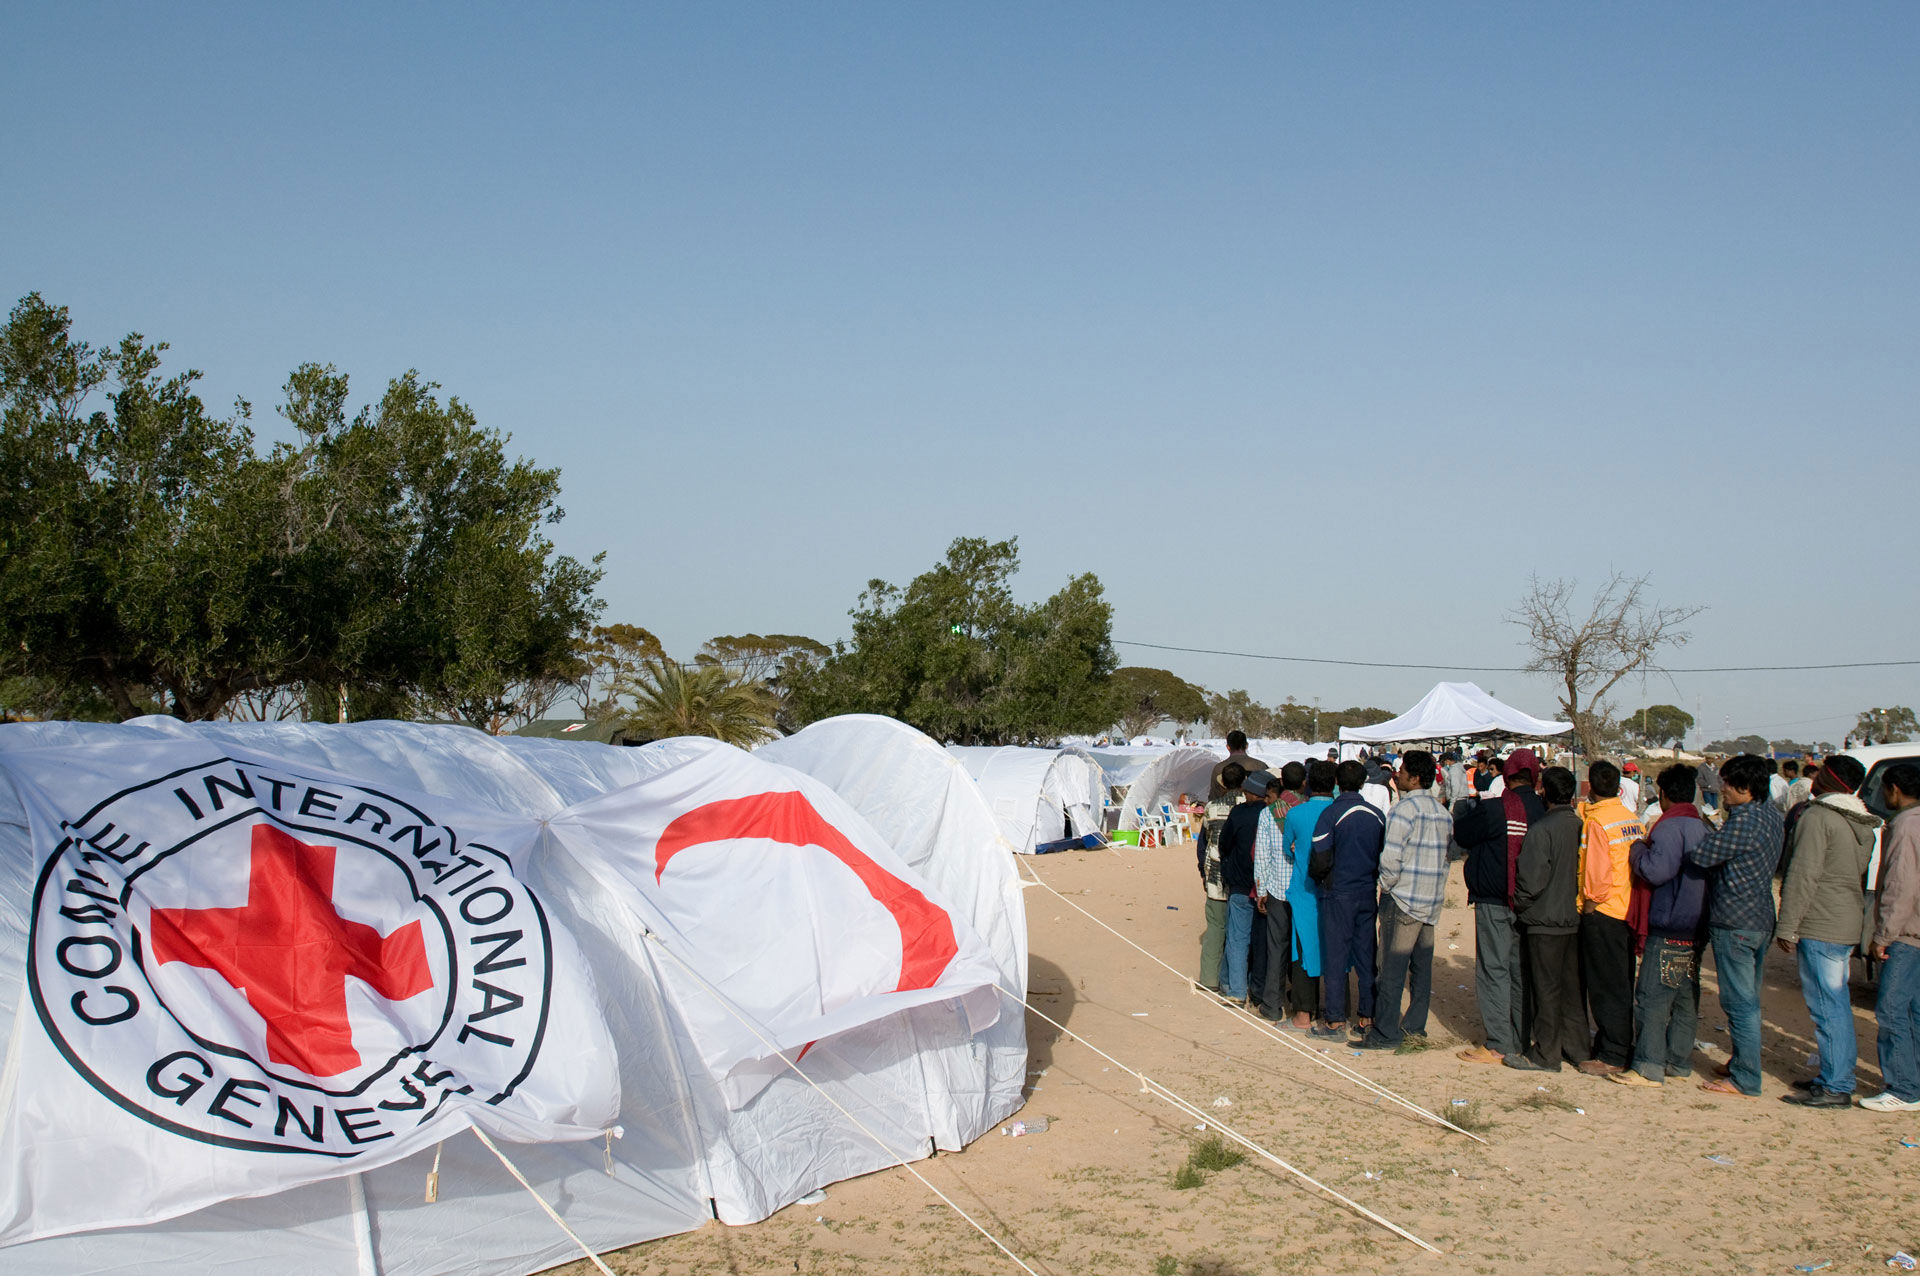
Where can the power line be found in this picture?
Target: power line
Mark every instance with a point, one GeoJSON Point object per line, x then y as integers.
{"type": "Point", "coordinates": [1392, 664]}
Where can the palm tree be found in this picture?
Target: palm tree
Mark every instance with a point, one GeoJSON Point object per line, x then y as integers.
{"type": "Point", "coordinates": [670, 699]}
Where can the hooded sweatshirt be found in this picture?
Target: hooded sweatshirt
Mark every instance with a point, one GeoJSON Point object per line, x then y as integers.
{"type": "Point", "coordinates": [1824, 893]}
{"type": "Point", "coordinates": [1899, 917]}
{"type": "Point", "coordinates": [1492, 840]}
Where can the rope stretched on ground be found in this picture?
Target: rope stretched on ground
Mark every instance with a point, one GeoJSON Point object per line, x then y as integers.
{"type": "Point", "coordinates": [754, 1028]}
{"type": "Point", "coordinates": [1154, 1088]}
{"type": "Point", "coordinates": [1333, 1065]}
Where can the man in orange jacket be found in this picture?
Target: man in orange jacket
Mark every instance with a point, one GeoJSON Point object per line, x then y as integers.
{"type": "Point", "coordinates": [1606, 938]}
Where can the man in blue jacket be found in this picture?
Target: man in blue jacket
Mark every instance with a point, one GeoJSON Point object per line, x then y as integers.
{"type": "Point", "coordinates": [1666, 1005]}
{"type": "Point", "coordinates": [1345, 861]}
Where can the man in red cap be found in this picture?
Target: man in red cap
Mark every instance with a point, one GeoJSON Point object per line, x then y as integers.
{"type": "Point", "coordinates": [1492, 828]}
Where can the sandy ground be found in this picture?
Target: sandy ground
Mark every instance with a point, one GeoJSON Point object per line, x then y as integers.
{"type": "Point", "coordinates": [1579, 1175]}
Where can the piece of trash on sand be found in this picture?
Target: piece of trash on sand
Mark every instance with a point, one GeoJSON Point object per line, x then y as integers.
{"type": "Point", "coordinates": [1202, 1127]}
{"type": "Point", "coordinates": [1716, 1159]}
{"type": "Point", "coordinates": [1455, 1173]}
{"type": "Point", "coordinates": [819, 1218]}
{"type": "Point", "coordinates": [1704, 1045]}
{"type": "Point", "coordinates": [1579, 1111]}
{"type": "Point", "coordinates": [1173, 908]}
{"type": "Point", "coordinates": [1461, 1103]}
{"type": "Point", "coordinates": [1141, 1014]}
{"type": "Point", "coordinates": [1223, 1102]}
{"type": "Point", "coordinates": [1032, 1125]}
{"type": "Point", "coordinates": [1902, 1260]}
{"type": "Point", "coordinates": [1909, 1143]}
{"type": "Point", "coordinates": [1813, 1267]}
{"type": "Point", "coordinates": [1455, 946]}
{"type": "Point", "coordinates": [1370, 1176]}
{"type": "Point", "coordinates": [1540, 1087]}
{"type": "Point", "coordinates": [814, 1197]}
{"type": "Point", "coordinates": [1355, 1053]}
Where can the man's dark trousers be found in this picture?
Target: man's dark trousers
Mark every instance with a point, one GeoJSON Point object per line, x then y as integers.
{"type": "Point", "coordinates": [1346, 943]}
{"type": "Point", "coordinates": [1606, 962]}
{"type": "Point", "coordinates": [1406, 947]}
{"type": "Point", "coordinates": [1289, 987]}
{"type": "Point", "coordinates": [1558, 1014]}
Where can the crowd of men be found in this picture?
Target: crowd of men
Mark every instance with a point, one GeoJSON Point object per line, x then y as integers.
{"type": "Point", "coordinates": [1325, 882]}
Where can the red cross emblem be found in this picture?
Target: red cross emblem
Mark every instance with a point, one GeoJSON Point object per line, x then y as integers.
{"type": "Point", "coordinates": [289, 952]}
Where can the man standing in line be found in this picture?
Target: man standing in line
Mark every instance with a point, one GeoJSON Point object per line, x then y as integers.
{"type": "Point", "coordinates": [1740, 913]}
{"type": "Point", "coordinates": [1347, 840]}
{"type": "Point", "coordinates": [1820, 918]}
{"type": "Point", "coordinates": [1236, 874]}
{"type": "Point", "coordinates": [1606, 939]}
{"type": "Point", "coordinates": [1666, 1001]}
{"type": "Point", "coordinates": [1213, 944]}
{"type": "Point", "coordinates": [1303, 894]}
{"type": "Point", "coordinates": [1287, 981]}
{"type": "Point", "coordinates": [1896, 942]}
{"type": "Point", "coordinates": [1546, 899]}
{"type": "Point", "coordinates": [1491, 830]}
{"type": "Point", "coordinates": [1218, 787]}
{"type": "Point", "coordinates": [1413, 885]}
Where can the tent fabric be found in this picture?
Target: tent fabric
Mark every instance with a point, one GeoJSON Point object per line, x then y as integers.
{"type": "Point", "coordinates": [685, 1150]}
{"type": "Point", "coordinates": [1455, 709]}
{"type": "Point", "coordinates": [1037, 795]}
{"type": "Point", "coordinates": [1183, 769]}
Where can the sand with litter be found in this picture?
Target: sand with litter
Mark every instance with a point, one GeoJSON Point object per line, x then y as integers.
{"type": "Point", "coordinates": [1625, 1185]}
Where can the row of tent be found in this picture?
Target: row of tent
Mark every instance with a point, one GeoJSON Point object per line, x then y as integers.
{"type": "Point", "coordinates": [686, 1145]}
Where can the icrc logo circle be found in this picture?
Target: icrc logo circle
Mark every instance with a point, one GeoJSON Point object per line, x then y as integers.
{"type": "Point", "coordinates": [253, 958]}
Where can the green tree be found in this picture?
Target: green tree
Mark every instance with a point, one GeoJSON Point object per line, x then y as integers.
{"type": "Point", "coordinates": [607, 655]}
{"type": "Point", "coordinates": [1237, 711]}
{"type": "Point", "coordinates": [1659, 724]}
{"type": "Point", "coordinates": [671, 699]}
{"type": "Point", "coordinates": [952, 654]}
{"type": "Point", "coordinates": [1144, 697]}
{"type": "Point", "coordinates": [780, 662]}
{"type": "Point", "coordinates": [393, 562]}
{"type": "Point", "coordinates": [1892, 725]}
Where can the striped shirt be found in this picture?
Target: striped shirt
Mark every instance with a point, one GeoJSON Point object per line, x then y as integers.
{"type": "Point", "coordinates": [1413, 863]}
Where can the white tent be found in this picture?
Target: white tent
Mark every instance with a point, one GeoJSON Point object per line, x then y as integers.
{"type": "Point", "coordinates": [1123, 763]}
{"type": "Point", "coordinates": [1184, 769]}
{"type": "Point", "coordinates": [688, 1150]}
{"type": "Point", "coordinates": [1455, 709]}
{"type": "Point", "coordinates": [1038, 795]}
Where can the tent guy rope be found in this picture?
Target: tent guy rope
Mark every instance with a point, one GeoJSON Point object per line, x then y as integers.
{"type": "Point", "coordinates": [552, 1213]}
{"type": "Point", "coordinates": [1150, 1086]}
{"type": "Point", "coordinates": [727, 1005]}
{"type": "Point", "coordinates": [1332, 1065]}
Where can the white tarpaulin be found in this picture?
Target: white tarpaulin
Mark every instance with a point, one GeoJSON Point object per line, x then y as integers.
{"type": "Point", "coordinates": [1455, 709]}
{"type": "Point", "coordinates": [1182, 769]}
{"type": "Point", "coordinates": [681, 1147]}
{"type": "Point", "coordinates": [1038, 795]}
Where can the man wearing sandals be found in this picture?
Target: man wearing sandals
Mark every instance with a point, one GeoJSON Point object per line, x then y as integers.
{"type": "Point", "coordinates": [1740, 912]}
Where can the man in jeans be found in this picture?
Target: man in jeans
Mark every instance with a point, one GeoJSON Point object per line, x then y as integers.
{"type": "Point", "coordinates": [1413, 883]}
{"type": "Point", "coordinates": [1896, 942]}
{"type": "Point", "coordinates": [1740, 916]}
{"type": "Point", "coordinates": [1820, 913]}
{"type": "Point", "coordinates": [1213, 943]}
{"type": "Point", "coordinates": [1666, 1002]}
{"type": "Point", "coordinates": [1237, 840]}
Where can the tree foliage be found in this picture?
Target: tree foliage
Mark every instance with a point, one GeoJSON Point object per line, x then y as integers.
{"type": "Point", "coordinates": [152, 558]}
{"type": "Point", "coordinates": [607, 656]}
{"type": "Point", "coordinates": [1892, 725]}
{"type": "Point", "coordinates": [779, 662]}
{"type": "Point", "coordinates": [953, 654]}
{"type": "Point", "coordinates": [1144, 697]}
{"type": "Point", "coordinates": [1588, 652]}
{"type": "Point", "coordinates": [1659, 724]}
{"type": "Point", "coordinates": [670, 699]}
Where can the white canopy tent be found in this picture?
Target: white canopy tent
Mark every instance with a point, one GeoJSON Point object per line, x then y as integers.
{"type": "Point", "coordinates": [1037, 795]}
{"type": "Point", "coordinates": [688, 1150]}
{"type": "Point", "coordinates": [1451, 710]}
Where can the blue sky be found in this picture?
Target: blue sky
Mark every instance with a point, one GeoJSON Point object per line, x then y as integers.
{"type": "Point", "coordinates": [1309, 332]}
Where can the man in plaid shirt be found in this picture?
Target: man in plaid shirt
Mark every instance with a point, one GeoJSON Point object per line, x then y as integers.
{"type": "Point", "coordinates": [1413, 883]}
{"type": "Point", "coordinates": [1740, 911]}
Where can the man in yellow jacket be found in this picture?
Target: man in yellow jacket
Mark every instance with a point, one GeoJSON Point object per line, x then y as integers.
{"type": "Point", "coordinates": [1609, 830]}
